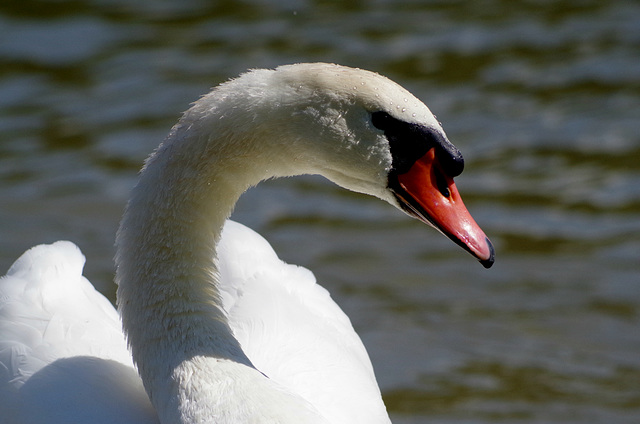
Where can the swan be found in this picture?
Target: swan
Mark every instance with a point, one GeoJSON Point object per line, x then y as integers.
{"type": "Point", "coordinates": [217, 329]}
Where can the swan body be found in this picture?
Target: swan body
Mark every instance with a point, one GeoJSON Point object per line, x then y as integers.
{"type": "Point", "coordinates": [219, 329]}
{"type": "Point", "coordinates": [63, 356]}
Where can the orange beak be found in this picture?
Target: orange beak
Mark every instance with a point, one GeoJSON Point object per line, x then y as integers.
{"type": "Point", "coordinates": [427, 193]}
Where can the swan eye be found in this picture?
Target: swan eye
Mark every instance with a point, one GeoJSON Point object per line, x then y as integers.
{"type": "Point", "coordinates": [380, 120]}
{"type": "Point", "coordinates": [410, 141]}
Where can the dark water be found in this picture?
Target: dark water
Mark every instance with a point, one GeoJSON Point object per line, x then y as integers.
{"type": "Point", "coordinates": [542, 97]}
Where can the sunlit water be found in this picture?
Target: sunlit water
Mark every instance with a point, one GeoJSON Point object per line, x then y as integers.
{"type": "Point", "coordinates": [542, 97]}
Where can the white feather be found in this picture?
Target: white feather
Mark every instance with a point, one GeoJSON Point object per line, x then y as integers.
{"type": "Point", "coordinates": [220, 329]}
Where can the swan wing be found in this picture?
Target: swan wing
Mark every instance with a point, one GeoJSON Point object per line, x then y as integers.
{"type": "Point", "coordinates": [293, 332]}
{"type": "Point", "coordinates": [62, 350]}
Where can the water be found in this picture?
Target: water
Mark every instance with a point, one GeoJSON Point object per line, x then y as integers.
{"type": "Point", "coordinates": [542, 97]}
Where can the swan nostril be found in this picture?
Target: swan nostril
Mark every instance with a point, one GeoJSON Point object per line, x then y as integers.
{"type": "Point", "coordinates": [441, 183]}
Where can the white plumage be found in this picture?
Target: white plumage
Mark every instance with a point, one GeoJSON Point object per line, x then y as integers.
{"type": "Point", "coordinates": [221, 331]}
{"type": "Point", "coordinates": [63, 356]}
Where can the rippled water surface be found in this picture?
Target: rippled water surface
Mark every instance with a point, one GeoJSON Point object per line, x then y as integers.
{"type": "Point", "coordinates": [542, 97]}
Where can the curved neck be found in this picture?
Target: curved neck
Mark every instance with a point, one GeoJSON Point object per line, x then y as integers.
{"type": "Point", "coordinates": [167, 275]}
{"type": "Point", "coordinates": [243, 132]}
{"type": "Point", "coordinates": [166, 256]}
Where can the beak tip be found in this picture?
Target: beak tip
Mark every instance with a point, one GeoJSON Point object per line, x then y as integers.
{"type": "Point", "coordinates": [487, 263]}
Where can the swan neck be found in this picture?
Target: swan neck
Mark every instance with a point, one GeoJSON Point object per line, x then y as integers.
{"type": "Point", "coordinates": [169, 293]}
{"type": "Point", "coordinates": [167, 275]}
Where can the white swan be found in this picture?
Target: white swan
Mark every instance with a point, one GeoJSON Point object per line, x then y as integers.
{"type": "Point", "coordinates": [220, 329]}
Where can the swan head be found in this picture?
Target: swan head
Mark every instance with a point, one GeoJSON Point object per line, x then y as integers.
{"type": "Point", "coordinates": [355, 127]}
{"type": "Point", "coordinates": [389, 145]}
